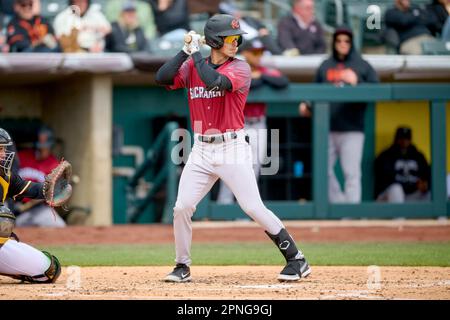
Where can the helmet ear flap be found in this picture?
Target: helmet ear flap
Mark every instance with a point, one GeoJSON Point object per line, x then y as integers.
{"type": "Point", "coordinates": [215, 42]}
{"type": "Point", "coordinates": [219, 42]}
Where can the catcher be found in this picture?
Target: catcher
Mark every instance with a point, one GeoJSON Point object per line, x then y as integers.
{"type": "Point", "coordinates": [19, 260]}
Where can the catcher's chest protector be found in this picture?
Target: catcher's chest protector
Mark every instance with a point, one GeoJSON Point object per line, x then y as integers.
{"type": "Point", "coordinates": [6, 227]}
{"type": "Point", "coordinates": [7, 224]}
{"type": "Point", "coordinates": [4, 185]}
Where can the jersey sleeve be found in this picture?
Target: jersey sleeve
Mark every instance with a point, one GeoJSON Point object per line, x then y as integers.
{"type": "Point", "coordinates": [181, 78]}
{"type": "Point", "coordinates": [239, 74]}
{"type": "Point", "coordinates": [19, 189]}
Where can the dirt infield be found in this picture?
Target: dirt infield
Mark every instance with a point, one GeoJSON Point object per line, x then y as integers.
{"type": "Point", "coordinates": [241, 282]}
{"type": "Point", "coordinates": [238, 282]}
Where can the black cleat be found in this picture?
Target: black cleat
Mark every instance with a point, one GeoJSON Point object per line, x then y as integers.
{"type": "Point", "coordinates": [294, 270]}
{"type": "Point", "coordinates": [181, 273]}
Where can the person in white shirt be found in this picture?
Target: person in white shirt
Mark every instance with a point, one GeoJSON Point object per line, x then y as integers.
{"type": "Point", "coordinates": [87, 22]}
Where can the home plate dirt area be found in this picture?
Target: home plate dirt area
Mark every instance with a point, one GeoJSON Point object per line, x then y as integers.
{"type": "Point", "coordinates": [240, 282]}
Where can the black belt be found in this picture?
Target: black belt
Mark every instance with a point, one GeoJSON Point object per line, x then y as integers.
{"type": "Point", "coordinates": [217, 138]}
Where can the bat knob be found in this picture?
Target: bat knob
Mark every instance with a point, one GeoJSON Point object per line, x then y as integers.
{"type": "Point", "coordinates": [187, 38]}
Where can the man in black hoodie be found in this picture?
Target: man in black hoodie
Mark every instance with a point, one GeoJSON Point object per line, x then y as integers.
{"type": "Point", "coordinates": [401, 171]}
{"type": "Point", "coordinates": [346, 140]}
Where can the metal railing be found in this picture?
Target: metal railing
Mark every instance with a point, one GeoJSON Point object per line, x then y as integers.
{"type": "Point", "coordinates": [319, 207]}
{"type": "Point", "coordinates": [166, 177]}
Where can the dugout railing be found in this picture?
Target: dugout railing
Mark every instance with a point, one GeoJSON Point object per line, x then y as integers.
{"type": "Point", "coordinates": [163, 176]}
{"type": "Point", "coordinates": [319, 207]}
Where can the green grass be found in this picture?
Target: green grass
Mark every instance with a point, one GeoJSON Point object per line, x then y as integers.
{"type": "Point", "coordinates": [330, 254]}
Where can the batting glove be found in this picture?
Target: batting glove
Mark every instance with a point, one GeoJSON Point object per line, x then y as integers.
{"type": "Point", "coordinates": [192, 42]}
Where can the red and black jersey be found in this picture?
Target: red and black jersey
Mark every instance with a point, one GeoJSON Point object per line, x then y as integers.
{"type": "Point", "coordinates": [215, 110]}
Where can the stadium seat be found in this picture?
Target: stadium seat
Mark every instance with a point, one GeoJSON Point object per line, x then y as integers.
{"type": "Point", "coordinates": [335, 13]}
{"type": "Point", "coordinates": [5, 19]}
{"type": "Point", "coordinates": [435, 47]}
{"type": "Point", "coordinates": [356, 12]}
{"type": "Point", "coordinates": [197, 21]}
{"type": "Point", "coordinates": [100, 3]}
{"type": "Point", "coordinates": [163, 47]}
{"type": "Point", "coordinates": [50, 8]}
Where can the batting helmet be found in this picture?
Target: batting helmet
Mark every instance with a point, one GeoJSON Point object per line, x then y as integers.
{"type": "Point", "coordinates": [219, 26]}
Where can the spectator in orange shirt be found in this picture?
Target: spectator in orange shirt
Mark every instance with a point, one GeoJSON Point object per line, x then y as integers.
{"type": "Point", "coordinates": [28, 32]}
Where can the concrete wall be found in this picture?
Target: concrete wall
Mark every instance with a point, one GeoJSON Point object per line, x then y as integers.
{"type": "Point", "coordinates": [101, 150]}
{"type": "Point", "coordinates": [80, 112]}
{"type": "Point", "coordinates": [24, 102]}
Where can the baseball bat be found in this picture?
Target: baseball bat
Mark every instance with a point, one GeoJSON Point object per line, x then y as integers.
{"type": "Point", "coordinates": [188, 39]}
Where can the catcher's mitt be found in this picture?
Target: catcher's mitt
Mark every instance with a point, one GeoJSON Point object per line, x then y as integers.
{"type": "Point", "coordinates": [57, 189]}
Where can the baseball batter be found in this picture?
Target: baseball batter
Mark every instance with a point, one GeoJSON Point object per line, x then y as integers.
{"type": "Point", "coordinates": [217, 91]}
{"type": "Point", "coordinates": [17, 259]}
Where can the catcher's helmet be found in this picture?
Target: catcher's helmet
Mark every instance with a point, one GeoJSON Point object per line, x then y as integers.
{"type": "Point", "coordinates": [219, 26]}
{"type": "Point", "coordinates": [6, 157]}
{"type": "Point", "coordinates": [5, 138]}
